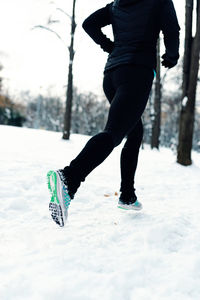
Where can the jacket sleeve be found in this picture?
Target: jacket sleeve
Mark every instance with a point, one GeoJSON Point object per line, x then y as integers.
{"type": "Point", "coordinates": [170, 29]}
{"type": "Point", "coordinates": [93, 24]}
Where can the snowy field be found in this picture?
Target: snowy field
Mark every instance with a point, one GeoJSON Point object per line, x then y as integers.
{"type": "Point", "coordinates": [103, 253]}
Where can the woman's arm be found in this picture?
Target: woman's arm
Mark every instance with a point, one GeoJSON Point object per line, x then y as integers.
{"type": "Point", "coordinates": [93, 24]}
{"type": "Point", "coordinates": [170, 28]}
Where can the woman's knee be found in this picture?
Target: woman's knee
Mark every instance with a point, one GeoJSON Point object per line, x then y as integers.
{"type": "Point", "coordinates": [136, 133]}
{"type": "Point", "coordinates": [116, 136]}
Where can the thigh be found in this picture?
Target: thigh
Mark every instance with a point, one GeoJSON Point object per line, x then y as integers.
{"type": "Point", "coordinates": [133, 86]}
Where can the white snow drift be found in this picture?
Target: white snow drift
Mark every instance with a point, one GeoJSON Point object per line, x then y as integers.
{"type": "Point", "coordinates": [103, 252]}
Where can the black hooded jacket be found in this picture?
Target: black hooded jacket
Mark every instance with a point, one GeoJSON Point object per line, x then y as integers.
{"type": "Point", "coordinates": [136, 26]}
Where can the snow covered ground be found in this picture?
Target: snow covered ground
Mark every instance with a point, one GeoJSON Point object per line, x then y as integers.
{"type": "Point", "coordinates": [103, 252]}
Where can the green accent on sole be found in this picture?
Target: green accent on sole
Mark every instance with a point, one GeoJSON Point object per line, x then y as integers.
{"type": "Point", "coordinates": [52, 186]}
{"type": "Point", "coordinates": [123, 208]}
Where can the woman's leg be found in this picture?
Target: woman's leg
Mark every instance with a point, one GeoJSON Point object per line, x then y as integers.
{"type": "Point", "coordinates": [96, 149]}
{"type": "Point", "coordinates": [130, 150]}
{"type": "Point", "coordinates": [129, 159]}
{"type": "Point", "coordinates": [132, 85]}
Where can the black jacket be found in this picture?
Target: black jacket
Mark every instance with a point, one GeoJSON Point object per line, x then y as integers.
{"type": "Point", "coordinates": [136, 26]}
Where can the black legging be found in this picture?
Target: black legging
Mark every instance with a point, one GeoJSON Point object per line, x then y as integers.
{"type": "Point", "coordinates": [127, 88]}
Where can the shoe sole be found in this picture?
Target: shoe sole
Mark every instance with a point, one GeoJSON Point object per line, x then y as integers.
{"type": "Point", "coordinates": [130, 208]}
{"type": "Point", "coordinates": [56, 206]}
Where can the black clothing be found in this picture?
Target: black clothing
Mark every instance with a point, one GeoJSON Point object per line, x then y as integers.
{"type": "Point", "coordinates": [93, 24]}
{"type": "Point", "coordinates": [136, 25]}
{"type": "Point", "coordinates": [128, 200]}
{"type": "Point", "coordinates": [128, 78]}
{"type": "Point", "coordinates": [167, 63]}
{"type": "Point", "coordinates": [127, 88]}
{"type": "Point", "coordinates": [70, 181]}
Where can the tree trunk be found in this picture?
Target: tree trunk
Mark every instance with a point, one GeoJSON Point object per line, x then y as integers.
{"type": "Point", "coordinates": [157, 104]}
{"type": "Point", "coordinates": [188, 45]}
{"type": "Point", "coordinates": [186, 126]}
{"type": "Point", "coordinates": [69, 93]}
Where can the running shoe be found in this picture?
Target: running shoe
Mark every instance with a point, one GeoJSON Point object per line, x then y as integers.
{"type": "Point", "coordinates": [129, 204]}
{"type": "Point", "coordinates": [60, 196]}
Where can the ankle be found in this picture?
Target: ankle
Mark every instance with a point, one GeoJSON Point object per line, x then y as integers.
{"type": "Point", "coordinates": [71, 180]}
{"type": "Point", "coordinates": [127, 193]}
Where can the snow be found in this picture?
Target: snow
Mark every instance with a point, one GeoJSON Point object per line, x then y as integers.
{"type": "Point", "coordinates": [102, 252]}
{"type": "Point", "coordinates": [185, 101]}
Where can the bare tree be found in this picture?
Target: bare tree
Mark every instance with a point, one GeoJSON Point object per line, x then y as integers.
{"type": "Point", "coordinates": [69, 92]}
{"type": "Point", "coordinates": [69, 96]}
{"type": "Point", "coordinates": [190, 76]}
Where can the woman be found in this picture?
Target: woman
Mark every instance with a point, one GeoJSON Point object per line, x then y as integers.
{"type": "Point", "coordinates": [128, 78]}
